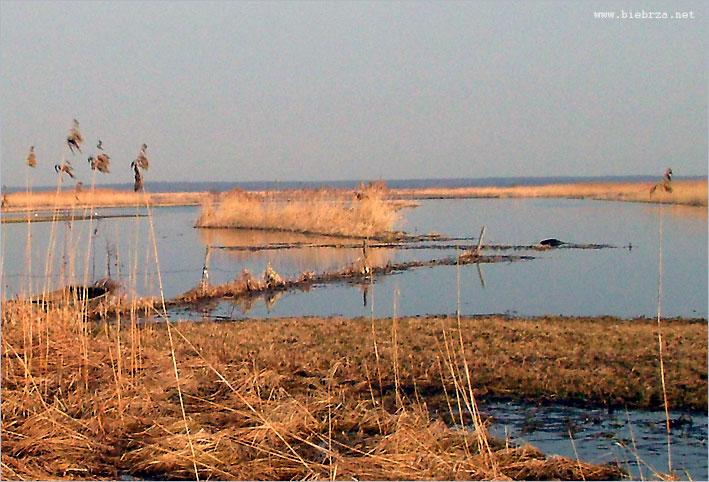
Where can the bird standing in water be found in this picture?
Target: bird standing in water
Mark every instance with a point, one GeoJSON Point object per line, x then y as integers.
{"type": "Point", "coordinates": [31, 159]}
{"type": "Point", "coordinates": [74, 139]}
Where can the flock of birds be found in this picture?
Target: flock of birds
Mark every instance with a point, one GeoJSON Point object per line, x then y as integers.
{"type": "Point", "coordinates": [98, 162]}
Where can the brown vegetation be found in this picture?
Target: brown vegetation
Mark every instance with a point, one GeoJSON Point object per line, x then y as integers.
{"type": "Point", "coordinates": [312, 398]}
{"type": "Point", "coordinates": [369, 214]}
{"type": "Point", "coordinates": [692, 193]}
{"type": "Point", "coordinates": [70, 199]}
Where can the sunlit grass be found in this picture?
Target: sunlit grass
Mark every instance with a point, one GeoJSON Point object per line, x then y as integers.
{"type": "Point", "coordinates": [371, 215]}
{"type": "Point", "coordinates": [693, 193]}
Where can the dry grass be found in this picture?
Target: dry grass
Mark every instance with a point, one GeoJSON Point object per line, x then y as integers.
{"type": "Point", "coordinates": [296, 398]}
{"type": "Point", "coordinates": [692, 193]}
{"type": "Point", "coordinates": [318, 212]}
{"type": "Point", "coordinates": [68, 198]}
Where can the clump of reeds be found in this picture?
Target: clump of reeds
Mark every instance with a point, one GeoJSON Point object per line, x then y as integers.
{"type": "Point", "coordinates": [369, 214]}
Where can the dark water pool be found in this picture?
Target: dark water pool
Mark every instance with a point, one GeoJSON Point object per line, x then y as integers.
{"type": "Point", "coordinates": [635, 439]}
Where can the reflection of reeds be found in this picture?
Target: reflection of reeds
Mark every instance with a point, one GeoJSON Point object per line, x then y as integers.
{"type": "Point", "coordinates": [370, 216]}
{"type": "Point", "coordinates": [296, 259]}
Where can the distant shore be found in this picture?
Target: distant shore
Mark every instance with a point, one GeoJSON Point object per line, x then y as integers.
{"type": "Point", "coordinates": [684, 192]}
{"type": "Point", "coordinates": [689, 193]}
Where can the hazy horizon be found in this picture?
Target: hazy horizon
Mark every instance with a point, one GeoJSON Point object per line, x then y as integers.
{"type": "Point", "coordinates": [327, 91]}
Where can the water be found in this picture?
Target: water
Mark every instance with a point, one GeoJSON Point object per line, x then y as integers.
{"type": "Point", "coordinates": [636, 439]}
{"type": "Point", "coordinates": [618, 281]}
{"type": "Point", "coordinates": [622, 281]}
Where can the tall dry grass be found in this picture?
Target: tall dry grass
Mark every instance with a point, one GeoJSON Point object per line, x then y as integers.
{"type": "Point", "coordinates": [71, 199]}
{"type": "Point", "coordinates": [371, 215]}
{"type": "Point", "coordinates": [260, 403]}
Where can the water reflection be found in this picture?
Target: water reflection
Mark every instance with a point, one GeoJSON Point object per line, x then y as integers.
{"type": "Point", "coordinates": [282, 250]}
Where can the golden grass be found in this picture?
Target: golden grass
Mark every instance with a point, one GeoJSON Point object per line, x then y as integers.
{"type": "Point", "coordinates": [689, 193]}
{"type": "Point", "coordinates": [692, 193]}
{"type": "Point", "coordinates": [299, 398]}
{"type": "Point", "coordinates": [317, 212]}
{"type": "Point", "coordinates": [69, 198]}
{"type": "Point", "coordinates": [305, 398]}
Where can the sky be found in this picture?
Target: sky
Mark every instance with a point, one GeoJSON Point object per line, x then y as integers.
{"type": "Point", "coordinates": [317, 91]}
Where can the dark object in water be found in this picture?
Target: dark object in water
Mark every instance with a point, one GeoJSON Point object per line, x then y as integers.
{"type": "Point", "coordinates": [551, 242]}
{"type": "Point", "coordinates": [73, 294]}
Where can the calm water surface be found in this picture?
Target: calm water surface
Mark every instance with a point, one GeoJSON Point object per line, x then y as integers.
{"type": "Point", "coordinates": [635, 439]}
{"type": "Point", "coordinates": [619, 281]}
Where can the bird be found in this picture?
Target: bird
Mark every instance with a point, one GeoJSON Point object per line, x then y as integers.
{"type": "Point", "coordinates": [65, 167]}
{"type": "Point", "coordinates": [99, 146]}
{"type": "Point", "coordinates": [100, 162]}
{"type": "Point", "coordinates": [138, 178]}
{"type": "Point", "coordinates": [31, 159]}
{"type": "Point", "coordinates": [74, 139]}
{"type": "Point", "coordinates": [142, 160]}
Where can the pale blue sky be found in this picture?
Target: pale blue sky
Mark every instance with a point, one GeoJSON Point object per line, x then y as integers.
{"type": "Point", "coordinates": [240, 91]}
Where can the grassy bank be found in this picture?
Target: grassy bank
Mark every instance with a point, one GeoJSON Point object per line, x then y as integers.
{"type": "Point", "coordinates": [691, 193]}
{"type": "Point", "coordinates": [316, 398]}
{"type": "Point", "coordinates": [71, 199]}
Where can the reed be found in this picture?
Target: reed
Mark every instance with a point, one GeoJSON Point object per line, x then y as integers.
{"type": "Point", "coordinates": [99, 197]}
{"type": "Point", "coordinates": [691, 193]}
{"type": "Point", "coordinates": [371, 215]}
{"type": "Point", "coordinates": [255, 408]}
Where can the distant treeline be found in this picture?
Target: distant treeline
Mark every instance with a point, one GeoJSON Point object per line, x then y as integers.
{"type": "Point", "coordinates": [190, 186]}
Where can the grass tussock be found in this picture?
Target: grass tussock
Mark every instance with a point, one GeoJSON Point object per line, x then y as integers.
{"type": "Point", "coordinates": [303, 398]}
{"type": "Point", "coordinates": [367, 214]}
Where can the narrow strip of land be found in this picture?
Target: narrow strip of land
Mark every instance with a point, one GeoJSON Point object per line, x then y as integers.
{"type": "Point", "coordinates": [684, 192]}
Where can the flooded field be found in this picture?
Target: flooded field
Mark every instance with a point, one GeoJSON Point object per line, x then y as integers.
{"type": "Point", "coordinates": [621, 281]}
